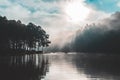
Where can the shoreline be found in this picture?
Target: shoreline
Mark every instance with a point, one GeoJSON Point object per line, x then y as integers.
{"type": "Point", "coordinates": [18, 53]}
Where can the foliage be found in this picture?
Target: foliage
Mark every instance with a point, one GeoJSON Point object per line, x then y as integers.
{"type": "Point", "coordinates": [15, 35]}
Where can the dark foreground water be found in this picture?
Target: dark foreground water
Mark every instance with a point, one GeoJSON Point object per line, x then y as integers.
{"type": "Point", "coordinates": [60, 66]}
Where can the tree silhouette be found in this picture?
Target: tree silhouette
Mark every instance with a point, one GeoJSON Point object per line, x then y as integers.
{"type": "Point", "coordinates": [16, 36]}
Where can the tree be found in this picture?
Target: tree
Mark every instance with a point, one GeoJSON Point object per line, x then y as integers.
{"type": "Point", "coordinates": [17, 36]}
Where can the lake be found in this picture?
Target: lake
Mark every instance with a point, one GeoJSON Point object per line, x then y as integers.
{"type": "Point", "coordinates": [60, 66]}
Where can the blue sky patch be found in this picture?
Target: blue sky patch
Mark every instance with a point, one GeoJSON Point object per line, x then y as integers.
{"type": "Point", "coordinates": [104, 5]}
{"type": "Point", "coordinates": [49, 0]}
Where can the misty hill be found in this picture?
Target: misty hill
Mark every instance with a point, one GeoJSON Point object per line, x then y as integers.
{"type": "Point", "coordinates": [103, 37]}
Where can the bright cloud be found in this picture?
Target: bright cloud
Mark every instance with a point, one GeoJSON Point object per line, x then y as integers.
{"type": "Point", "coordinates": [76, 11]}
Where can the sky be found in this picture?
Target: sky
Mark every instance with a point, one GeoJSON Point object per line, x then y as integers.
{"type": "Point", "coordinates": [60, 18]}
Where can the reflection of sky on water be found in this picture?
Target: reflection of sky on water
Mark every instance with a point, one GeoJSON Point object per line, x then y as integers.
{"type": "Point", "coordinates": [62, 69]}
{"type": "Point", "coordinates": [83, 67]}
{"type": "Point", "coordinates": [62, 66]}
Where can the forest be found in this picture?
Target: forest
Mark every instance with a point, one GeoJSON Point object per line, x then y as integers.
{"type": "Point", "coordinates": [16, 37]}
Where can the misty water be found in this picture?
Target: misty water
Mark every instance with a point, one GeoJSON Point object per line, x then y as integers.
{"type": "Point", "coordinates": [60, 66]}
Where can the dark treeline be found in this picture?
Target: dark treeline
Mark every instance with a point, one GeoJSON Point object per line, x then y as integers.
{"type": "Point", "coordinates": [97, 40]}
{"type": "Point", "coordinates": [16, 36]}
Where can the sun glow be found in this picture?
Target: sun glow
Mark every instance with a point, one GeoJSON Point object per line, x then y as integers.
{"type": "Point", "coordinates": [76, 11]}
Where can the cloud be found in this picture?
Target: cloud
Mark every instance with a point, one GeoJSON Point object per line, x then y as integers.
{"type": "Point", "coordinates": [118, 4]}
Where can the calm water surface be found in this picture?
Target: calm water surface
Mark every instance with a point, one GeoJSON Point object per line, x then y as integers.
{"type": "Point", "coordinates": [60, 66]}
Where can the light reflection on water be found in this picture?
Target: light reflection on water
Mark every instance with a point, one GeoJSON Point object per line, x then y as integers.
{"type": "Point", "coordinates": [25, 67]}
{"type": "Point", "coordinates": [60, 66]}
{"type": "Point", "coordinates": [83, 66]}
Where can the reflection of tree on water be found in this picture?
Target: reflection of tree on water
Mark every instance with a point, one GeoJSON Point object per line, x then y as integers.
{"type": "Point", "coordinates": [29, 67]}
{"type": "Point", "coordinates": [99, 65]}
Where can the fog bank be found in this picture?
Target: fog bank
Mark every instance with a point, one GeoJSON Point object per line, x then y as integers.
{"type": "Point", "coordinates": [97, 37]}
